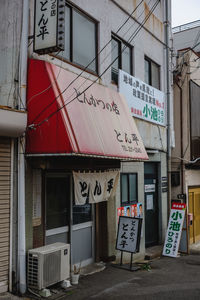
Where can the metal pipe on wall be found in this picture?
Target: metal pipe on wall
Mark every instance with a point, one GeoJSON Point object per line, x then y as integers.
{"type": "Point", "coordinates": [21, 158]}
{"type": "Point", "coordinates": [167, 2]}
{"type": "Point", "coordinates": [181, 133]}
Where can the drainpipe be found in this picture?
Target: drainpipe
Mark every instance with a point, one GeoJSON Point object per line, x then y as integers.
{"type": "Point", "coordinates": [181, 129]}
{"type": "Point", "coordinates": [168, 103]}
{"type": "Point", "coordinates": [21, 159]}
{"type": "Point", "coordinates": [11, 214]}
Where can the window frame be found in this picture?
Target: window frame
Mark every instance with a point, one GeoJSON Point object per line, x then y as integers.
{"type": "Point", "coordinates": [150, 61]}
{"type": "Point", "coordinates": [128, 176]}
{"type": "Point", "coordinates": [120, 41]}
{"type": "Point", "coordinates": [71, 47]}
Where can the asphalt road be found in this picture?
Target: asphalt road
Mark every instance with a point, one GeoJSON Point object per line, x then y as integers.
{"type": "Point", "coordinates": [169, 278]}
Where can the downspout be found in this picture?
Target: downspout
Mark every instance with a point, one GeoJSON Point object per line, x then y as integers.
{"type": "Point", "coordinates": [11, 214]}
{"type": "Point", "coordinates": [21, 158]}
{"type": "Point", "coordinates": [168, 104]}
{"type": "Point", "coordinates": [181, 131]}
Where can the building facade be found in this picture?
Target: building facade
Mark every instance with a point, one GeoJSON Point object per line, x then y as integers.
{"type": "Point", "coordinates": [185, 155]}
{"type": "Point", "coordinates": [79, 126]}
{"type": "Point", "coordinates": [13, 120]}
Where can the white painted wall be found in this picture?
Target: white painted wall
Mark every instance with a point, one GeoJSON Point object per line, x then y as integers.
{"type": "Point", "coordinates": [10, 30]}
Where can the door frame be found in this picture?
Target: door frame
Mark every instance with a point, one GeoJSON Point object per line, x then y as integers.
{"type": "Point", "coordinates": [158, 195]}
{"type": "Point", "coordinates": [70, 228]}
{"type": "Point", "coordinates": [63, 229]}
{"type": "Point", "coordinates": [190, 190]}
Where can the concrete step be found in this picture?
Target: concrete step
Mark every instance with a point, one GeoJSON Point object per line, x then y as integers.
{"type": "Point", "coordinates": [153, 252]}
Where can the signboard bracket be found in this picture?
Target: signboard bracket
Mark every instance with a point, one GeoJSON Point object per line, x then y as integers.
{"type": "Point", "coordinates": [130, 267]}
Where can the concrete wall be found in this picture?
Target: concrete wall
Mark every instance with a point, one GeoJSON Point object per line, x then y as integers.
{"type": "Point", "coordinates": [10, 32]}
{"type": "Point", "coordinates": [189, 67]}
{"type": "Point", "coordinates": [148, 42]}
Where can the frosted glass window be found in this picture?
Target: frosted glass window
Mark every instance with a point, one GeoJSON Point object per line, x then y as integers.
{"type": "Point", "coordinates": [155, 74]}
{"type": "Point", "coordinates": [128, 188]}
{"type": "Point", "coordinates": [84, 48]}
{"type": "Point", "coordinates": [124, 189]}
{"type": "Point", "coordinates": [126, 59]}
{"type": "Point", "coordinates": [80, 39]}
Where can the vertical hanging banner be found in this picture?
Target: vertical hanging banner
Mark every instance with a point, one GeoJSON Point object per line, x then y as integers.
{"type": "Point", "coordinates": [94, 187]}
{"type": "Point", "coordinates": [174, 230]}
{"type": "Point", "coordinates": [49, 26]}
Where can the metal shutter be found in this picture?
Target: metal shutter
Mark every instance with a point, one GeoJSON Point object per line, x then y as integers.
{"type": "Point", "coordinates": [5, 168]}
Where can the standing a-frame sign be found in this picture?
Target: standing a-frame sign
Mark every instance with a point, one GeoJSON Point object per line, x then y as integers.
{"type": "Point", "coordinates": [128, 236]}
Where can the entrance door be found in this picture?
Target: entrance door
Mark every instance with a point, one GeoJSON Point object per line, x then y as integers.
{"type": "Point", "coordinates": [194, 208]}
{"type": "Point", "coordinates": [151, 204]}
{"type": "Point", "coordinates": [83, 234]}
{"type": "Point", "coordinates": [57, 208]}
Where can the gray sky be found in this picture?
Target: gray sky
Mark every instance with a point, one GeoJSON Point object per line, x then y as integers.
{"type": "Point", "coordinates": [185, 11]}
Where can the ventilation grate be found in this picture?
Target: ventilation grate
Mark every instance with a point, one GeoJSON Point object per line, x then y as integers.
{"type": "Point", "coordinates": [32, 270]}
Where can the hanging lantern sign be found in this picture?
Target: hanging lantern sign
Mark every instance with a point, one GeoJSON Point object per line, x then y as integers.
{"type": "Point", "coordinates": [49, 26]}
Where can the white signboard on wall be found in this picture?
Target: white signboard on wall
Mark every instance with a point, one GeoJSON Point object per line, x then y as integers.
{"type": "Point", "coordinates": [144, 101]}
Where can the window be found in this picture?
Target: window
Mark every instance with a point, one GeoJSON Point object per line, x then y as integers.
{"type": "Point", "coordinates": [122, 52]}
{"type": "Point", "coordinates": [128, 188]}
{"type": "Point", "coordinates": [80, 39]}
{"type": "Point", "coordinates": [152, 73]}
{"type": "Point", "coordinates": [82, 213]}
{"type": "Point", "coordinates": [57, 202]}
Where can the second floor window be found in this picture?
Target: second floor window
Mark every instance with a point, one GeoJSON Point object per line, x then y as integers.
{"type": "Point", "coordinates": [122, 54]}
{"type": "Point", "coordinates": [80, 39]}
{"type": "Point", "coordinates": [152, 73]}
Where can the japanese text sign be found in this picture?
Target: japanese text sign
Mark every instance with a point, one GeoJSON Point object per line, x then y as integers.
{"type": "Point", "coordinates": [144, 101]}
{"type": "Point", "coordinates": [174, 230]}
{"type": "Point", "coordinates": [129, 233]}
{"type": "Point", "coordinates": [49, 26]}
{"type": "Point", "coordinates": [94, 187]}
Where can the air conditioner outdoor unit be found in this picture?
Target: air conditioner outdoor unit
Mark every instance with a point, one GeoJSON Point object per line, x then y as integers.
{"type": "Point", "coordinates": [48, 265]}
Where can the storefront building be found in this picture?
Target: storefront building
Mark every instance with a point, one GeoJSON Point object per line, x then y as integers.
{"type": "Point", "coordinates": [79, 125]}
{"type": "Point", "coordinates": [73, 153]}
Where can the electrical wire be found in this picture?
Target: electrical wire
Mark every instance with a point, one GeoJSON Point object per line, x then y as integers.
{"type": "Point", "coordinates": [130, 39]}
{"type": "Point", "coordinates": [86, 67]}
{"type": "Point", "coordinates": [181, 64]}
{"type": "Point", "coordinates": [46, 89]}
{"type": "Point", "coordinates": [96, 57]}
